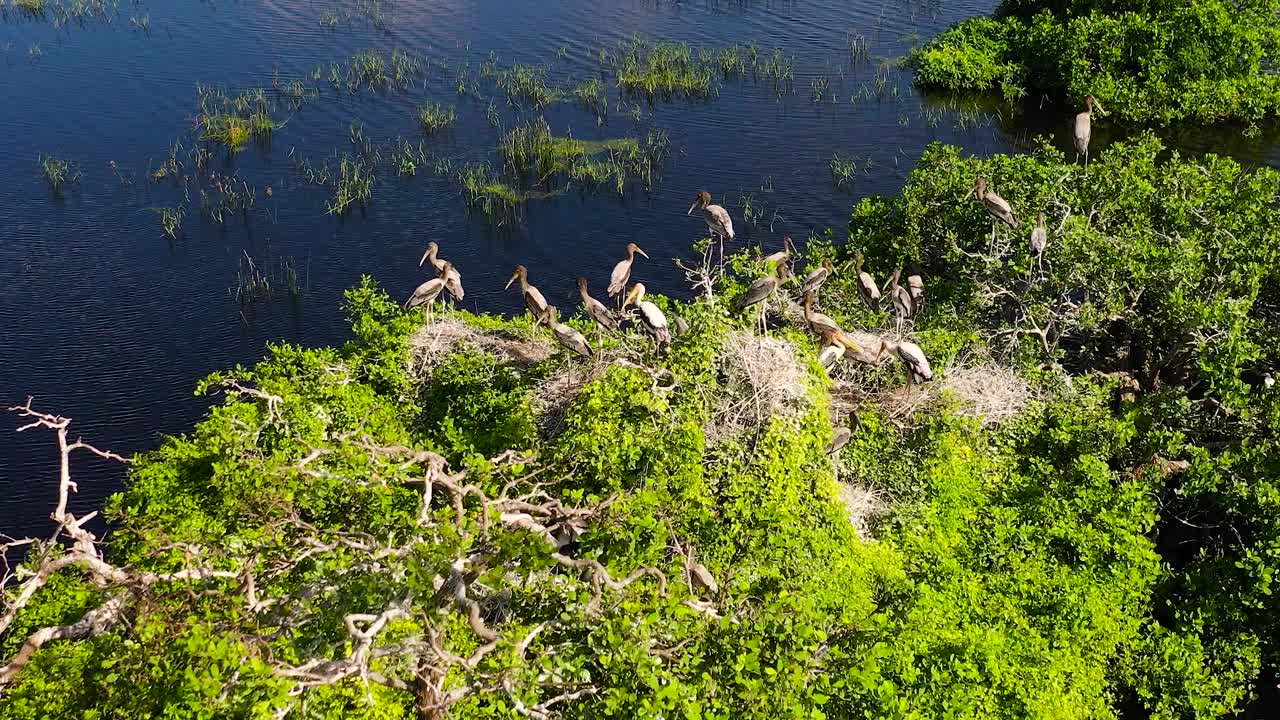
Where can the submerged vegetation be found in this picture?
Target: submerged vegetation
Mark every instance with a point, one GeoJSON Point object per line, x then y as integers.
{"type": "Point", "coordinates": [1075, 518]}
{"type": "Point", "coordinates": [232, 121]}
{"type": "Point", "coordinates": [1153, 61]}
{"type": "Point", "coordinates": [58, 172]}
{"type": "Point", "coordinates": [434, 117]}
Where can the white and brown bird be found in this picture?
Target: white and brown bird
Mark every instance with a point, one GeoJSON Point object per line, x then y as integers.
{"type": "Point", "coordinates": [1039, 239]}
{"type": "Point", "coordinates": [839, 438]}
{"type": "Point", "coordinates": [1082, 128]}
{"type": "Point", "coordinates": [915, 285]}
{"type": "Point", "coordinates": [533, 298]}
{"type": "Point", "coordinates": [759, 292]}
{"type": "Point", "coordinates": [621, 274]}
{"type": "Point", "coordinates": [425, 295]}
{"type": "Point", "coordinates": [650, 315]}
{"type": "Point", "coordinates": [700, 578]}
{"type": "Point", "coordinates": [912, 358]}
{"type": "Point", "coordinates": [569, 339]}
{"type": "Point", "coordinates": [453, 280]}
{"type": "Point", "coordinates": [599, 314]}
{"type": "Point", "coordinates": [718, 220]}
{"type": "Point", "coordinates": [867, 288]}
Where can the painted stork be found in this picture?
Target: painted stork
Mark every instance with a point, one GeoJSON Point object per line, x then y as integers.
{"type": "Point", "coordinates": [654, 321]}
{"type": "Point", "coordinates": [784, 257]}
{"type": "Point", "coordinates": [759, 292]}
{"type": "Point", "coordinates": [818, 322]}
{"type": "Point", "coordinates": [867, 287]}
{"type": "Point", "coordinates": [622, 271]}
{"type": "Point", "coordinates": [533, 298]}
{"type": "Point", "coordinates": [453, 280]}
{"type": "Point", "coordinates": [718, 220]}
{"type": "Point", "coordinates": [599, 314]}
{"type": "Point", "coordinates": [1039, 240]}
{"type": "Point", "coordinates": [912, 358]}
{"type": "Point", "coordinates": [427, 293]}
{"type": "Point", "coordinates": [817, 276]}
{"type": "Point", "coordinates": [1082, 128]}
{"type": "Point", "coordinates": [569, 339]}
{"type": "Point", "coordinates": [903, 305]}
{"type": "Point", "coordinates": [700, 578]}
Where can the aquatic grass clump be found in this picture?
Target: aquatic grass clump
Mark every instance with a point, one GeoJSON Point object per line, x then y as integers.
{"type": "Point", "coordinates": [352, 185]}
{"type": "Point", "coordinates": [592, 95]}
{"type": "Point", "coordinates": [526, 84]}
{"type": "Point", "coordinates": [486, 192]}
{"type": "Point", "coordinates": [664, 69]}
{"type": "Point", "coordinates": [406, 158]}
{"type": "Point", "coordinates": [843, 169]}
{"type": "Point", "coordinates": [232, 121]}
{"type": "Point", "coordinates": [171, 220]}
{"type": "Point", "coordinates": [254, 284]}
{"type": "Point", "coordinates": [435, 117]}
{"type": "Point", "coordinates": [535, 155]}
{"type": "Point", "coordinates": [58, 172]}
{"type": "Point", "coordinates": [377, 72]}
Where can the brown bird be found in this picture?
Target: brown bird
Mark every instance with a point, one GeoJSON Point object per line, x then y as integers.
{"type": "Point", "coordinates": [700, 578]}
{"type": "Point", "coordinates": [867, 287]}
{"type": "Point", "coordinates": [915, 284]}
{"type": "Point", "coordinates": [996, 206]}
{"type": "Point", "coordinates": [759, 292]}
{"type": "Point", "coordinates": [784, 257]}
{"type": "Point", "coordinates": [718, 220]}
{"type": "Point", "coordinates": [599, 314]}
{"type": "Point", "coordinates": [569, 339]}
{"type": "Point", "coordinates": [622, 271]}
{"type": "Point", "coordinates": [426, 293]}
{"type": "Point", "coordinates": [453, 281]}
{"type": "Point", "coordinates": [533, 298]}
{"type": "Point", "coordinates": [1082, 128]}
{"type": "Point", "coordinates": [650, 315]}
{"type": "Point", "coordinates": [1039, 240]}
{"type": "Point", "coordinates": [819, 323]}
{"type": "Point", "coordinates": [903, 305]}
{"type": "Point", "coordinates": [838, 345]}
{"type": "Point", "coordinates": [817, 276]}
{"type": "Point", "coordinates": [839, 439]}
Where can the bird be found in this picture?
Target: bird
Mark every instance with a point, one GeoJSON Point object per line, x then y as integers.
{"type": "Point", "coordinates": [533, 298]}
{"type": "Point", "coordinates": [1039, 240]}
{"type": "Point", "coordinates": [453, 281]}
{"type": "Point", "coordinates": [915, 284]}
{"type": "Point", "coordinates": [818, 322]}
{"type": "Point", "coordinates": [903, 305]}
{"type": "Point", "coordinates": [830, 353]}
{"type": "Point", "coordinates": [867, 287]}
{"type": "Point", "coordinates": [817, 276]}
{"type": "Point", "coordinates": [759, 292]}
{"type": "Point", "coordinates": [912, 358]}
{"type": "Point", "coordinates": [654, 321]}
{"type": "Point", "coordinates": [839, 439]}
{"type": "Point", "coordinates": [599, 314]}
{"type": "Point", "coordinates": [680, 326]}
{"type": "Point", "coordinates": [785, 256]}
{"type": "Point", "coordinates": [569, 339]}
{"type": "Point", "coordinates": [700, 578]}
{"type": "Point", "coordinates": [996, 206]}
{"type": "Point", "coordinates": [622, 271]}
{"type": "Point", "coordinates": [837, 345]}
{"type": "Point", "coordinates": [427, 292]}
{"type": "Point", "coordinates": [1082, 129]}
{"type": "Point", "coordinates": [718, 220]}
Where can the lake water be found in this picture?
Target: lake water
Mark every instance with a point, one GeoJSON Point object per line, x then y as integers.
{"type": "Point", "coordinates": [108, 322]}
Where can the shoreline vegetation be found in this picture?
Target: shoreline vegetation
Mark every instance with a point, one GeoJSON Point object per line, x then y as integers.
{"type": "Point", "coordinates": [1154, 62]}
{"type": "Point", "coordinates": [454, 515]}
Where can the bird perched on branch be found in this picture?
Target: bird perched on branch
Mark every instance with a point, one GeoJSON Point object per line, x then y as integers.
{"type": "Point", "coordinates": [453, 280]}
{"type": "Point", "coordinates": [997, 207]}
{"type": "Point", "coordinates": [533, 298]}
{"type": "Point", "coordinates": [569, 339]}
{"type": "Point", "coordinates": [867, 288]}
{"type": "Point", "coordinates": [903, 304]}
{"type": "Point", "coordinates": [759, 292]}
{"type": "Point", "coordinates": [1082, 128]}
{"type": "Point", "coordinates": [785, 257]}
{"type": "Point", "coordinates": [650, 315]}
{"type": "Point", "coordinates": [1039, 240]}
{"type": "Point", "coordinates": [622, 271]}
{"type": "Point", "coordinates": [718, 220]}
{"type": "Point", "coordinates": [912, 358]}
{"type": "Point", "coordinates": [817, 276]}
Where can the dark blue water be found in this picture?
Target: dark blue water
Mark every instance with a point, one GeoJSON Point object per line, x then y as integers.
{"type": "Point", "coordinates": [108, 322]}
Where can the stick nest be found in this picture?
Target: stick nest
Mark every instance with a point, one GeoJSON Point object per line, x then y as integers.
{"type": "Point", "coordinates": [760, 379]}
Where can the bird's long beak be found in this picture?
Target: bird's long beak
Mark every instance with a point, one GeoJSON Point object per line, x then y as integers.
{"type": "Point", "coordinates": [645, 254]}
{"type": "Point", "coordinates": [691, 207]}
{"type": "Point", "coordinates": [513, 279]}
{"type": "Point", "coordinates": [424, 257]}
{"type": "Point", "coordinates": [849, 344]}
{"type": "Point", "coordinates": [631, 297]}
{"type": "Point", "coordinates": [1097, 105]}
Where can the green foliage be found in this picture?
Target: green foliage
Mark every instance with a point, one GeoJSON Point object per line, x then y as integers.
{"type": "Point", "coordinates": [1151, 62]}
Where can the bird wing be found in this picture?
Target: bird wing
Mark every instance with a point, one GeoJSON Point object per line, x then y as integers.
{"type": "Point", "coordinates": [1081, 131]}
{"type": "Point", "coordinates": [903, 302]}
{"type": "Point", "coordinates": [719, 220]}
{"type": "Point", "coordinates": [653, 317]}
{"type": "Point", "coordinates": [838, 440]}
{"type": "Point", "coordinates": [1039, 239]}
{"type": "Point", "coordinates": [822, 322]}
{"type": "Point", "coordinates": [425, 293]}
{"type": "Point", "coordinates": [759, 290]}
{"type": "Point", "coordinates": [999, 207]}
{"type": "Point", "coordinates": [453, 283]}
{"type": "Point", "coordinates": [601, 315]}
{"type": "Point", "coordinates": [618, 278]}
{"type": "Point", "coordinates": [868, 286]}
{"type": "Point", "coordinates": [814, 279]}
{"type": "Point", "coordinates": [533, 298]}
{"type": "Point", "coordinates": [914, 358]}
{"type": "Point", "coordinates": [571, 339]}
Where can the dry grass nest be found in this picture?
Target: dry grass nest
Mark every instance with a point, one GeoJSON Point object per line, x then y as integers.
{"type": "Point", "coordinates": [985, 391]}
{"type": "Point", "coordinates": [760, 379]}
{"type": "Point", "coordinates": [862, 506]}
{"type": "Point", "coordinates": [441, 338]}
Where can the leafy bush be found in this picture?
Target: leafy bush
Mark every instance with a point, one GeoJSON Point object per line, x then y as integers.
{"type": "Point", "coordinates": [1152, 62]}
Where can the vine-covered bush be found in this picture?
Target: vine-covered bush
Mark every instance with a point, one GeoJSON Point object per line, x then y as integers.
{"type": "Point", "coordinates": [1151, 62]}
